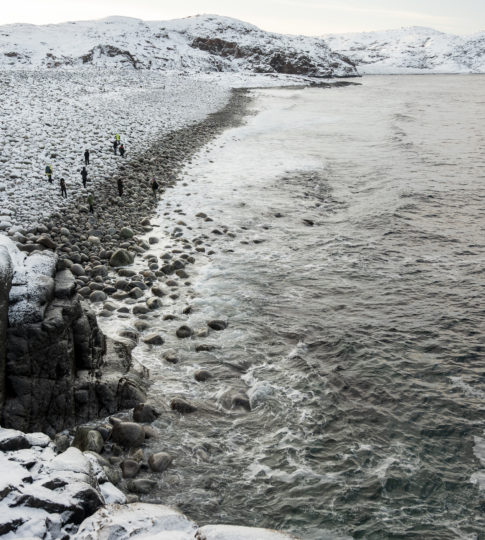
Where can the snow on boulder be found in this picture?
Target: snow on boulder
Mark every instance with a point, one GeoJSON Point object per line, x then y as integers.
{"type": "Point", "coordinates": [137, 520]}
{"type": "Point", "coordinates": [72, 460]}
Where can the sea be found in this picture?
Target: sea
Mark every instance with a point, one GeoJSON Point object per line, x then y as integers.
{"type": "Point", "coordinates": [341, 236]}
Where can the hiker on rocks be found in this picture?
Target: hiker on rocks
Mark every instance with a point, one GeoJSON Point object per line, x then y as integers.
{"type": "Point", "coordinates": [122, 150]}
{"type": "Point", "coordinates": [86, 157]}
{"type": "Point", "coordinates": [84, 176]}
{"type": "Point", "coordinates": [48, 172]}
{"type": "Point", "coordinates": [117, 137]}
{"type": "Point", "coordinates": [63, 188]}
{"type": "Point", "coordinates": [154, 187]}
{"type": "Point", "coordinates": [91, 203]}
{"type": "Point", "coordinates": [120, 187]}
{"type": "Point", "coordinates": [115, 145]}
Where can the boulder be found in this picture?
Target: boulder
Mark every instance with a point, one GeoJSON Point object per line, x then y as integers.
{"type": "Point", "coordinates": [130, 468]}
{"type": "Point", "coordinates": [202, 375]}
{"type": "Point", "coordinates": [121, 257]}
{"type": "Point", "coordinates": [145, 413]}
{"type": "Point", "coordinates": [217, 325]}
{"type": "Point", "coordinates": [128, 434]}
{"type": "Point", "coordinates": [184, 331]}
{"type": "Point", "coordinates": [182, 406]}
{"type": "Point", "coordinates": [126, 233]}
{"type": "Point", "coordinates": [87, 438]}
{"type": "Point", "coordinates": [153, 339]}
{"type": "Point", "coordinates": [159, 462]}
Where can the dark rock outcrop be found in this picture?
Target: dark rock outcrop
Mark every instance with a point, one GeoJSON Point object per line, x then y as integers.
{"type": "Point", "coordinates": [5, 284]}
{"type": "Point", "coordinates": [59, 371]}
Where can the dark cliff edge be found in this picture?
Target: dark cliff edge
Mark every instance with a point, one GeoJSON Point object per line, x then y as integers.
{"type": "Point", "coordinates": [62, 370]}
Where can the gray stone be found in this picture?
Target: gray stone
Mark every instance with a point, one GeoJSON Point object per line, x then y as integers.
{"type": "Point", "coordinates": [182, 406]}
{"type": "Point", "coordinates": [217, 325]}
{"type": "Point", "coordinates": [88, 439]}
{"type": "Point", "coordinates": [153, 339]}
{"type": "Point", "coordinates": [202, 375]}
{"type": "Point", "coordinates": [159, 462]}
{"type": "Point", "coordinates": [128, 434]}
{"type": "Point", "coordinates": [77, 270]}
{"type": "Point", "coordinates": [145, 413]}
{"type": "Point", "coordinates": [97, 296]}
{"type": "Point", "coordinates": [46, 241]}
{"type": "Point", "coordinates": [184, 331]}
{"type": "Point", "coordinates": [154, 303]}
{"type": "Point", "coordinates": [121, 257]}
{"type": "Point", "coordinates": [130, 468]}
{"type": "Point", "coordinates": [142, 486]}
{"type": "Point", "coordinates": [126, 232]}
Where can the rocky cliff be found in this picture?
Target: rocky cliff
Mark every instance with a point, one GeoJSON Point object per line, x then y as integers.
{"type": "Point", "coordinates": [56, 368]}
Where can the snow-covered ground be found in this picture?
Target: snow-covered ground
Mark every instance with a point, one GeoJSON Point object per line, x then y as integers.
{"type": "Point", "coordinates": [204, 43]}
{"type": "Point", "coordinates": [411, 50]}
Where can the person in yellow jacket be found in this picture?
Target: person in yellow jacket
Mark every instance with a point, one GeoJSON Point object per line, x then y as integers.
{"type": "Point", "coordinates": [48, 172]}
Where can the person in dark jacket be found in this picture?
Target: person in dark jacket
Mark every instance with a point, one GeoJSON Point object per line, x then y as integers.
{"type": "Point", "coordinates": [86, 157]}
{"type": "Point", "coordinates": [115, 146]}
{"type": "Point", "coordinates": [154, 187]}
{"type": "Point", "coordinates": [122, 150]}
{"type": "Point", "coordinates": [120, 187]}
{"type": "Point", "coordinates": [63, 188]}
{"type": "Point", "coordinates": [84, 176]}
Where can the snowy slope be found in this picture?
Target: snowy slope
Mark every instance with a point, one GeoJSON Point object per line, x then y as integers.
{"type": "Point", "coordinates": [412, 50]}
{"type": "Point", "coordinates": [204, 43]}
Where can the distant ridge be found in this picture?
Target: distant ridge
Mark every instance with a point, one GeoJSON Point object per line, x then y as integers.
{"type": "Point", "coordinates": [414, 49]}
{"type": "Point", "coordinates": [202, 43]}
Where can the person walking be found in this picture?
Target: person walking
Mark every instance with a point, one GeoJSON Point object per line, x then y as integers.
{"type": "Point", "coordinates": [122, 150]}
{"type": "Point", "coordinates": [63, 188]}
{"type": "Point", "coordinates": [120, 187]}
{"type": "Point", "coordinates": [48, 172]}
{"type": "Point", "coordinates": [115, 145]}
{"type": "Point", "coordinates": [86, 157]}
{"type": "Point", "coordinates": [91, 203]}
{"type": "Point", "coordinates": [84, 176]}
{"type": "Point", "coordinates": [154, 187]}
{"type": "Point", "coordinates": [117, 137]}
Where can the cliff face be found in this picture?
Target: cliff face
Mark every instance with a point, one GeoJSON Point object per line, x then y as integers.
{"type": "Point", "coordinates": [59, 371]}
{"type": "Point", "coordinates": [5, 285]}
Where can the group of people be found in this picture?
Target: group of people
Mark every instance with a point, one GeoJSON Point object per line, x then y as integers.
{"type": "Point", "coordinates": [84, 175]}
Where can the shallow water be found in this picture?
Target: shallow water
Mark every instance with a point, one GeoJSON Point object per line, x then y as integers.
{"type": "Point", "coordinates": [359, 339]}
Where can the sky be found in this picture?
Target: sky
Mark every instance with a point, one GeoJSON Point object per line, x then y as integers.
{"type": "Point", "coordinates": [310, 17]}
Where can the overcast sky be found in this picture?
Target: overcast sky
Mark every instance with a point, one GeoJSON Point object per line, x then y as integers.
{"type": "Point", "coordinates": [311, 17]}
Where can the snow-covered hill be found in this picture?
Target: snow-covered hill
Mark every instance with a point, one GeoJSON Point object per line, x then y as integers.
{"type": "Point", "coordinates": [204, 43]}
{"type": "Point", "coordinates": [411, 50]}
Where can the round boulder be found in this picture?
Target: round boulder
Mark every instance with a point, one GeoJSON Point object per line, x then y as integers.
{"type": "Point", "coordinates": [184, 331]}
{"type": "Point", "coordinates": [159, 462]}
{"type": "Point", "coordinates": [128, 434]}
{"type": "Point", "coordinates": [121, 257]}
{"type": "Point", "coordinates": [182, 406]}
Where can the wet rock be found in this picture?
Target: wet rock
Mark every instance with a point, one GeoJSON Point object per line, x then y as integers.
{"type": "Point", "coordinates": [240, 400]}
{"type": "Point", "coordinates": [170, 356]}
{"type": "Point", "coordinates": [130, 468]}
{"type": "Point", "coordinates": [128, 434]}
{"type": "Point", "coordinates": [136, 293]}
{"type": "Point", "coordinates": [140, 309]}
{"type": "Point", "coordinates": [97, 296]}
{"type": "Point", "coordinates": [157, 291]}
{"type": "Point", "coordinates": [182, 406]}
{"type": "Point", "coordinates": [154, 339]}
{"type": "Point", "coordinates": [308, 222]}
{"type": "Point", "coordinates": [154, 303]}
{"type": "Point", "coordinates": [153, 240]}
{"type": "Point", "coordinates": [150, 432]}
{"type": "Point", "coordinates": [184, 331]}
{"type": "Point", "coordinates": [126, 233]}
{"type": "Point", "coordinates": [46, 241]}
{"type": "Point", "coordinates": [77, 270]}
{"type": "Point", "coordinates": [145, 413]}
{"type": "Point", "coordinates": [62, 442]}
{"type": "Point", "coordinates": [205, 347]}
{"type": "Point", "coordinates": [121, 257]}
{"type": "Point", "coordinates": [202, 375]}
{"type": "Point", "coordinates": [99, 270]}
{"type": "Point", "coordinates": [142, 486]}
{"type": "Point", "coordinates": [217, 325]}
{"type": "Point", "coordinates": [88, 439]}
{"type": "Point", "coordinates": [159, 462]}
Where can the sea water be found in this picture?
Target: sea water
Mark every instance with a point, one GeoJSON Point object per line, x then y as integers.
{"type": "Point", "coordinates": [346, 253]}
